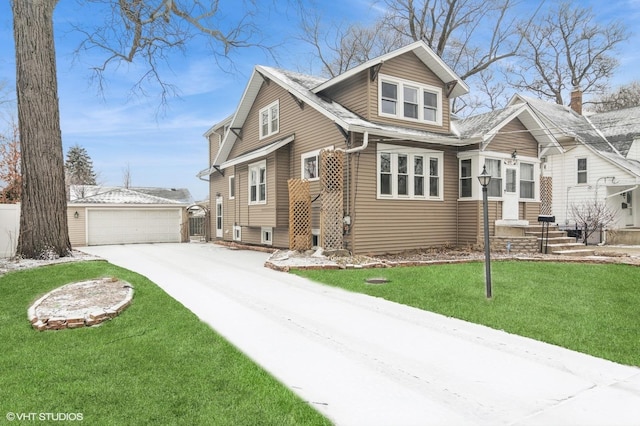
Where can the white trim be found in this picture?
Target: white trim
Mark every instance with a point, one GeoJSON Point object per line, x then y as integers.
{"type": "Point", "coordinates": [585, 171]}
{"type": "Point", "coordinates": [232, 187]}
{"type": "Point", "coordinates": [257, 167]}
{"type": "Point", "coordinates": [401, 84]}
{"type": "Point", "coordinates": [268, 109]}
{"type": "Point", "coordinates": [398, 150]}
{"type": "Point", "coordinates": [423, 52]}
{"type": "Point", "coordinates": [258, 153]}
{"type": "Point", "coordinates": [310, 154]}
{"type": "Point", "coordinates": [266, 235]}
{"type": "Point", "coordinates": [237, 233]}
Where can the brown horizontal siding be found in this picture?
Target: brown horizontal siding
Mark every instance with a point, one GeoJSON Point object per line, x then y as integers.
{"type": "Point", "coordinates": [352, 93]}
{"type": "Point", "coordinates": [514, 136]}
{"type": "Point", "coordinates": [529, 211]}
{"type": "Point", "coordinates": [409, 67]}
{"type": "Point", "coordinates": [384, 226]}
{"type": "Point", "coordinates": [283, 164]}
{"type": "Point", "coordinates": [469, 221]}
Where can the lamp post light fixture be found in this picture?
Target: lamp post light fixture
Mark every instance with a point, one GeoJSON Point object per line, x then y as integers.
{"type": "Point", "coordinates": [484, 179]}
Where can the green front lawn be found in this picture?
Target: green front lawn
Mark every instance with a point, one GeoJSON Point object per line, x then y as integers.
{"type": "Point", "coordinates": [591, 308]}
{"type": "Point", "coordinates": [156, 363]}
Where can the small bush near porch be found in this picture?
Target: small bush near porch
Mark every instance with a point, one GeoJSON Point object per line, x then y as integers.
{"type": "Point", "coordinates": [590, 308]}
{"type": "Point", "coordinates": [156, 363]}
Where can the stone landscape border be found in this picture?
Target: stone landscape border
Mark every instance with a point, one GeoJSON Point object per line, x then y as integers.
{"type": "Point", "coordinates": [60, 308]}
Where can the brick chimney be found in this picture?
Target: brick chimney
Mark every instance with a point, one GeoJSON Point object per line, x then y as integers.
{"type": "Point", "coordinates": [576, 100]}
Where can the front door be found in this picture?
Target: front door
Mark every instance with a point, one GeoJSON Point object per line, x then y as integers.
{"type": "Point", "coordinates": [510, 199]}
{"type": "Point", "coordinates": [219, 217]}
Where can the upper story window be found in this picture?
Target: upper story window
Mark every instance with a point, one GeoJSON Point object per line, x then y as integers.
{"type": "Point", "coordinates": [258, 183]}
{"type": "Point", "coordinates": [270, 119]}
{"type": "Point", "coordinates": [409, 100]}
{"type": "Point", "coordinates": [582, 170]}
{"type": "Point", "coordinates": [402, 173]}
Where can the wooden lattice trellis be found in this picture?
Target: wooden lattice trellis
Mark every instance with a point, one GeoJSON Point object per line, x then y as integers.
{"type": "Point", "coordinates": [546, 195]}
{"type": "Point", "coordinates": [300, 237]}
{"type": "Point", "coordinates": [331, 182]}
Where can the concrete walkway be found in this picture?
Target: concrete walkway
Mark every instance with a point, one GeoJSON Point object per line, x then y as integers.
{"type": "Point", "coordinates": [365, 361]}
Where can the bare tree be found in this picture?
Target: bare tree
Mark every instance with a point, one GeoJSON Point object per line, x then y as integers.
{"type": "Point", "coordinates": [626, 96]}
{"type": "Point", "coordinates": [567, 49]}
{"type": "Point", "coordinates": [471, 36]}
{"type": "Point", "coordinates": [340, 47]}
{"type": "Point", "coordinates": [10, 165]}
{"type": "Point", "coordinates": [145, 29]}
{"type": "Point", "coordinates": [126, 176]}
{"type": "Point", "coordinates": [457, 29]}
{"type": "Point", "coordinates": [591, 216]}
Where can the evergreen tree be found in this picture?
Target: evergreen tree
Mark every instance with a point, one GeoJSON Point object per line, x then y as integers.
{"type": "Point", "coordinates": [79, 167]}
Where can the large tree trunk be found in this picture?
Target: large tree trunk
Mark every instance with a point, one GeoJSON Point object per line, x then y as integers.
{"type": "Point", "coordinates": [43, 219]}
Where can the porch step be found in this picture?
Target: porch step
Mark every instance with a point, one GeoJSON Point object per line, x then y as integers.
{"type": "Point", "coordinates": [576, 252]}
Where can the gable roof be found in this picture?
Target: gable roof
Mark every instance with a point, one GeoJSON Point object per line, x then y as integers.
{"type": "Point", "coordinates": [602, 133]}
{"type": "Point", "coordinates": [620, 127]}
{"type": "Point", "coordinates": [484, 127]}
{"type": "Point", "coordinates": [423, 52]}
{"type": "Point", "coordinates": [94, 194]}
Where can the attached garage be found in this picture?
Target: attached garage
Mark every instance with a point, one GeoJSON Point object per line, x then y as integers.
{"type": "Point", "coordinates": [125, 216]}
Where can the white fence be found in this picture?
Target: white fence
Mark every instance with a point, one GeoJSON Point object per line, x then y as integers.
{"type": "Point", "coordinates": [9, 227]}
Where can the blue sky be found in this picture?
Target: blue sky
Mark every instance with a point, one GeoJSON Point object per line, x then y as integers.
{"type": "Point", "coordinates": [168, 149]}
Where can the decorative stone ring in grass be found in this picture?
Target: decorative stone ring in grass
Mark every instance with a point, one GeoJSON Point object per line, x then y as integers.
{"type": "Point", "coordinates": [80, 304]}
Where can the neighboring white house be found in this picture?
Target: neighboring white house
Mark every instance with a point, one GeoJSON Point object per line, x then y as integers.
{"type": "Point", "coordinates": [598, 160]}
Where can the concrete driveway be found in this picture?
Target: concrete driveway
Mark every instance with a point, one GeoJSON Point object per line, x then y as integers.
{"type": "Point", "coordinates": [365, 361]}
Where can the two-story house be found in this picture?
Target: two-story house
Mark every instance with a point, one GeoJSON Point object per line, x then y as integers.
{"type": "Point", "coordinates": [408, 177]}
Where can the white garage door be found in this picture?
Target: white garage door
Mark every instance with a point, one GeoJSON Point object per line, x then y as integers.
{"type": "Point", "coordinates": [129, 226]}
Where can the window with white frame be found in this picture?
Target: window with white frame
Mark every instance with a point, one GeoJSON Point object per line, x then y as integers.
{"type": "Point", "coordinates": [258, 183]}
{"type": "Point", "coordinates": [527, 181]}
{"type": "Point", "coordinates": [310, 164]}
{"type": "Point", "coordinates": [232, 187]}
{"type": "Point", "coordinates": [270, 119]}
{"type": "Point", "coordinates": [409, 100]}
{"type": "Point", "coordinates": [237, 233]}
{"type": "Point", "coordinates": [466, 180]}
{"type": "Point", "coordinates": [266, 235]}
{"type": "Point", "coordinates": [402, 172]}
{"type": "Point", "coordinates": [494, 168]}
{"type": "Point", "coordinates": [582, 170]}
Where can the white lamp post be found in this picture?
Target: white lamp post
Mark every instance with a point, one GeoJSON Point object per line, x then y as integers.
{"type": "Point", "coordinates": [484, 179]}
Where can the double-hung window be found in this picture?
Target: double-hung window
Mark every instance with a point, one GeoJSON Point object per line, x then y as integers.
{"type": "Point", "coordinates": [409, 173]}
{"type": "Point", "coordinates": [258, 183]}
{"type": "Point", "coordinates": [494, 168]}
{"type": "Point", "coordinates": [466, 180]}
{"type": "Point", "coordinates": [408, 100]}
{"type": "Point", "coordinates": [270, 119]}
{"type": "Point", "coordinates": [310, 164]}
{"type": "Point", "coordinates": [582, 170]}
{"type": "Point", "coordinates": [527, 181]}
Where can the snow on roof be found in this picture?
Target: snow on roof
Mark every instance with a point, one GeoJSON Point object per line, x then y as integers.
{"type": "Point", "coordinates": [563, 120]}
{"type": "Point", "coordinates": [620, 127]}
{"type": "Point", "coordinates": [129, 196]}
{"type": "Point", "coordinates": [477, 126]}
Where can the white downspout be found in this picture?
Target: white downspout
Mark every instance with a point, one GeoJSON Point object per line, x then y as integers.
{"type": "Point", "coordinates": [365, 144]}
